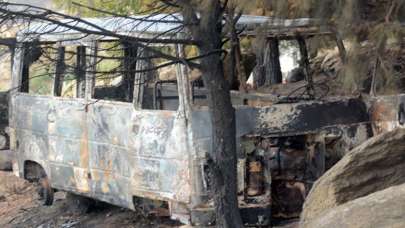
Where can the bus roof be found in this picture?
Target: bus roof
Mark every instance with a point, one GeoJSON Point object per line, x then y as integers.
{"type": "Point", "coordinates": [144, 26]}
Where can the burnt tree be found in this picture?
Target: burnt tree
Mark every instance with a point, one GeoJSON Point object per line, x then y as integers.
{"type": "Point", "coordinates": [272, 63]}
{"type": "Point", "coordinates": [206, 29]}
{"type": "Point", "coordinates": [306, 65]}
{"type": "Point", "coordinates": [268, 68]}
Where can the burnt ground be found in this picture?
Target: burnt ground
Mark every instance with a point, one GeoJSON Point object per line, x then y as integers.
{"type": "Point", "coordinates": [20, 207]}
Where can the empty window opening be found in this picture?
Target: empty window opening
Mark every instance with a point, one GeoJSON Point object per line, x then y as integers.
{"type": "Point", "coordinates": [38, 69]}
{"type": "Point", "coordinates": [70, 73]}
{"type": "Point", "coordinates": [112, 73]}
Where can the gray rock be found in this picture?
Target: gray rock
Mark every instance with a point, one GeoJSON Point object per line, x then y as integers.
{"type": "Point", "coordinates": [385, 208]}
{"type": "Point", "coordinates": [375, 165]}
{"type": "Point", "coordinates": [296, 75]}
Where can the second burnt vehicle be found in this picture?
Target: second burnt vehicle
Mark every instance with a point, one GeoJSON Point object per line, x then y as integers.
{"type": "Point", "coordinates": [129, 136]}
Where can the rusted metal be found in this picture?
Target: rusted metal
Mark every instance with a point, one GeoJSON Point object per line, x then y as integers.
{"type": "Point", "coordinates": [256, 179]}
{"type": "Point", "coordinates": [113, 152]}
{"type": "Point", "coordinates": [119, 152]}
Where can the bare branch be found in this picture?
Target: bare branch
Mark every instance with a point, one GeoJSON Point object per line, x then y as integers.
{"type": "Point", "coordinates": [46, 15]}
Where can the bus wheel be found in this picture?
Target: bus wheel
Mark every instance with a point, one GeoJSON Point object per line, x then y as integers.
{"type": "Point", "coordinates": [80, 204]}
{"type": "Point", "coordinates": [45, 191]}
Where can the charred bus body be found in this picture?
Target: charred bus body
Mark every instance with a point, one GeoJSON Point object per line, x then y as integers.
{"type": "Point", "coordinates": [142, 137]}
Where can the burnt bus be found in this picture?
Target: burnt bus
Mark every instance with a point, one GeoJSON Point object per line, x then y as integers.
{"type": "Point", "coordinates": [130, 137]}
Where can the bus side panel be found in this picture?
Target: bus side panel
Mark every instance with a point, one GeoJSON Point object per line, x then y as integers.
{"type": "Point", "coordinates": [147, 147]}
{"type": "Point", "coordinates": [31, 126]}
{"type": "Point", "coordinates": [105, 150]}
{"type": "Point", "coordinates": [68, 160]}
{"type": "Point", "coordinates": [109, 146]}
{"type": "Point", "coordinates": [48, 132]}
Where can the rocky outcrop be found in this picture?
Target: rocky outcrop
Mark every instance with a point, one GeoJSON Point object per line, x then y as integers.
{"type": "Point", "coordinates": [385, 208]}
{"type": "Point", "coordinates": [375, 165]}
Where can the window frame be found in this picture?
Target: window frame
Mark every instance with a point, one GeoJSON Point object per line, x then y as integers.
{"type": "Point", "coordinates": [21, 82]}
{"type": "Point", "coordinates": [88, 79]}
{"type": "Point", "coordinates": [80, 70]}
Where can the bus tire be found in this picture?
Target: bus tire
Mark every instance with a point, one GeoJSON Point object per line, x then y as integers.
{"type": "Point", "coordinates": [80, 204]}
{"type": "Point", "coordinates": [45, 192]}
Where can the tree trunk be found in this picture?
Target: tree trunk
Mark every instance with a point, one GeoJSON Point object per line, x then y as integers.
{"type": "Point", "coordinates": [224, 160]}
{"type": "Point", "coordinates": [59, 72]}
{"type": "Point", "coordinates": [207, 29]}
{"type": "Point", "coordinates": [130, 53]}
{"type": "Point", "coordinates": [81, 71]}
{"type": "Point", "coordinates": [272, 63]}
{"type": "Point", "coordinates": [305, 59]}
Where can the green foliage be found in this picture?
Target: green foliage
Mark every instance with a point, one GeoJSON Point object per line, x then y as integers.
{"type": "Point", "coordinates": [41, 79]}
{"type": "Point", "coordinates": [109, 61]}
{"type": "Point", "coordinates": [42, 71]}
{"type": "Point", "coordinates": [123, 7]}
{"type": "Point", "coordinates": [371, 27]}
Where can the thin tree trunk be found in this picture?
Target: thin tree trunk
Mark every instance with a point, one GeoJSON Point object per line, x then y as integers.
{"type": "Point", "coordinates": [223, 154]}
{"type": "Point", "coordinates": [223, 159]}
{"type": "Point", "coordinates": [305, 58]}
{"type": "Point", "coordinates": [81, 71]}
{"type": "Point", "coordinates": [130, 53]}
{"type": "Point", "coordinates": [59, 72]}
{"type": "Point", "coordinates": [305, 61]}
{"type": "Point", "coordinates": [272, 63]}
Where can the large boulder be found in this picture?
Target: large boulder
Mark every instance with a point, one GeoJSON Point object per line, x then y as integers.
{"type": "Point", "coordinates": [375, 165]}
{"type": "Point", "coordinates": [385, 208]}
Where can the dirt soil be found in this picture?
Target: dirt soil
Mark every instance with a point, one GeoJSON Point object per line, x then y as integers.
{"type": "Point", "coordinates": [20, 207]}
